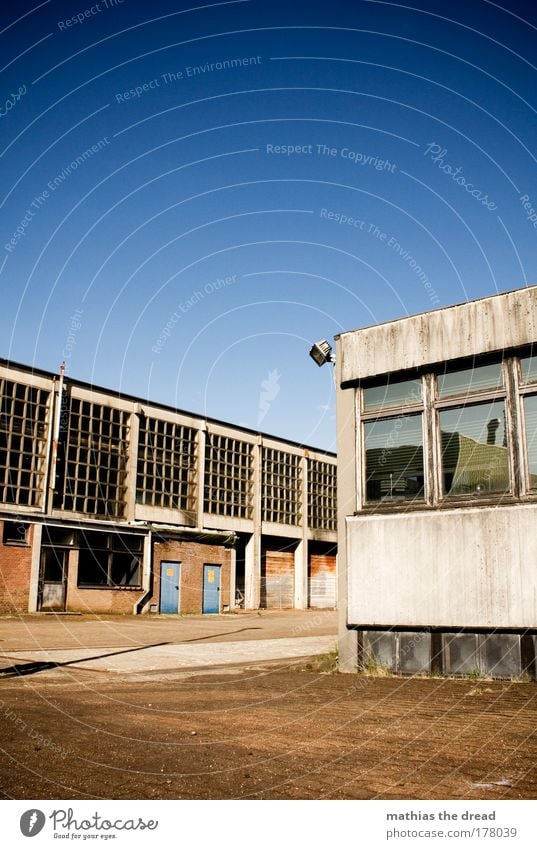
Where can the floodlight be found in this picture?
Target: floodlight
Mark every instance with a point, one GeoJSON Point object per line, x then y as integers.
{"type": "Point", "coordinates": [321, 352]}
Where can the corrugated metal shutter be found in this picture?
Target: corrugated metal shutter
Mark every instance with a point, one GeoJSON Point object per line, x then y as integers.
{"type": "Point", "coordinates": [322, 580]}
{"type": "Point", "coordinates": [278, 579]}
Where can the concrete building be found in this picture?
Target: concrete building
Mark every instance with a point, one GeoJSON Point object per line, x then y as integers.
{"type": "Point", "coordinates": [110, 503]}
{"type": "Point", "coordinates": [437, 490]}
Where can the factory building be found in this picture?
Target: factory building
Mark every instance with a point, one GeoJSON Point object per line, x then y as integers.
{"type": "Point", "coordinates": [114, 504]}
{"type": "Point", "coordinates": [437, 490]}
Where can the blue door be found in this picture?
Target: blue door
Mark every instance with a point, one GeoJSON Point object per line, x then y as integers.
{"type": "Point", "coordinates": [211, 588]}
{"type": "Point", "coordinates": [169, 587]}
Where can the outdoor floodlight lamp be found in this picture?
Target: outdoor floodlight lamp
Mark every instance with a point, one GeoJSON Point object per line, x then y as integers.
{"type": "Point", "coordinates": [321, 352]}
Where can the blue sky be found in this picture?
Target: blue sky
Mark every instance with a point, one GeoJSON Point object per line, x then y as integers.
{"type": "Point", "coordinates": [192, 195]}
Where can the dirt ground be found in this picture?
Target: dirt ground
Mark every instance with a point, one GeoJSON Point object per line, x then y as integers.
{"type": "Point", "coordinates": [282, 730]}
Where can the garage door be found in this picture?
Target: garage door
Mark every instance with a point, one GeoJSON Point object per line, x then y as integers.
{"type": "Point", "coordinates": [322, 580]}
{"type": "Point", "coordinates": [278, 579]}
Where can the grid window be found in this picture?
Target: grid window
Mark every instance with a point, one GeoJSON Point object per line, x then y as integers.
{"type": "Point", "coordinates": [228, 476]}
{"type": "Point", "coordinates": [322, 484]}
{"type": "Point", "coordinates": [23, 436]}
{"type": "Point", "coordinates": [166, 465]}
{"type": "Point", "coordinates": [281, 487]}
{"type": "Point", "coordinates": [94, 459]}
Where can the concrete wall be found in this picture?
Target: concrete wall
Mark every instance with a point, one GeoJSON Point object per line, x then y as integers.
{"type": "Point", "coordinates": [482, 326]}
{"type": "Point", "coordinates": [471, 568]}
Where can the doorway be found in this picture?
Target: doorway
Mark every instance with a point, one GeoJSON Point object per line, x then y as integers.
{"type": "Point", "coordinates": [211, 588]}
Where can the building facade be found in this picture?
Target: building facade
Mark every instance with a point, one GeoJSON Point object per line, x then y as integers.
{"type": "Point", "coordinates": [437, 490]}
{"type": "Point", "coordinates": [111, 504]}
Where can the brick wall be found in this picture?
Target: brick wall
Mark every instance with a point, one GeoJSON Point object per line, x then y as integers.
{"type": "Point", "coordinates": [192, 556]}
{"type": "Point", "coordinates": [15, 567]}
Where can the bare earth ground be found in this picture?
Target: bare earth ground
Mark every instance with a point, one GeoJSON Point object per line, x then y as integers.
{"type": "Point", "coordinates": [286, 730]}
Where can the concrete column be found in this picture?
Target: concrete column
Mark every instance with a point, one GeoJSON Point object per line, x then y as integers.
{"type": "Point", "coordinates": [201, 477]}
{"type": "Point", "coordinates": [33, 595]}
{"type": "Point", "coordinates": [252, 573]}
{"type": "Point", "coordinates": [348, 494]}
{"type": "Point", "coordinates": [232, 578]}
{"type": "Point", "coordinates": [252, 565]}
{"type": "Point", "coordinates": [301, 575]}
{"type": "Point", "coordinates": [132, 464]}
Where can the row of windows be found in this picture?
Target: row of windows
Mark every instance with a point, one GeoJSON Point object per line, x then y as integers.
{"type": "Point", "coordinates": [480, 443]}
{"type": "Point", "coordinates": [92, 459]}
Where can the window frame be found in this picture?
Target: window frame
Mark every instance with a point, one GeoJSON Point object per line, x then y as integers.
{"type": "Point", "coordinates": [383, 413]}
{"type": "Point", "coordinates": [474, 399]}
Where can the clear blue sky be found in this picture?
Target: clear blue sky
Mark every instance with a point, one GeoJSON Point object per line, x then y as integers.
{"type": "Point", "coordinates": [209, 190]}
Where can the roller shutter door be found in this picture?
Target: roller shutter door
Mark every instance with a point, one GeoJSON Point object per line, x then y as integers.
{"type": "Point", "coordinates": [322, 580]}
{"type": "Point", "coordinates": [278, 579]}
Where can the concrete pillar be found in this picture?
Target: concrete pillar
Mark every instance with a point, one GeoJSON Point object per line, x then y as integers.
{"type": "Point", "coordinates": [33, 595]}
{"type": "Point", "coordinates": [132, 463]}
{"type": "Point", "coordinates": [200, 476]}
{"type": "Point", "coordinates": [252, 573]}
{"type": "Point", "coordinates": [349, 500]}
{"type": "Point", "coordinates": [232, 578]}
{"type": "Point", "coordinates": [301, 575]}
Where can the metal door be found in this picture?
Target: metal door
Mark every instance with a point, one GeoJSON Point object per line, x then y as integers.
{"type": "Point", "coordinates": [211, 588]}
{"type": "Point", "coordinates": [53, 579]}
{"type": "Point", "coordinates": [169, 586]}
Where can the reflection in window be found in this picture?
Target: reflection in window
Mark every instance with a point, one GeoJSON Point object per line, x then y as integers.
{"type": "Point", "coordinates": [394, 458]}
{"type": "Point", "coordinates": [474, 449]}
{"type": "Point", "coordinates": [530, 410]}
{"type": "Point", "coordinates": [528, 367]}
{"type": "Point", "coordinates": [479, 379]}
{"type": "Point", "coordinates": [393, 394]}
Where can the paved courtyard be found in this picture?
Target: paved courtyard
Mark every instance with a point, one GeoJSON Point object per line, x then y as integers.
{"type": "Point", "coordinates": [239, 707]}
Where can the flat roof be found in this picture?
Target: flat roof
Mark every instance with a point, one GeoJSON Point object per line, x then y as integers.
{"type": "Point", "coordinates": [137, 400]}
{"type": "Point", "coordinates": [437, 309]}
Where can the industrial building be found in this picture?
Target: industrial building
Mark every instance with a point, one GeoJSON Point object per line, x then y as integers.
{"type": "Point", "coordinates": [437, 490]}
{"type": "Point", "coordinates": [114, 504]}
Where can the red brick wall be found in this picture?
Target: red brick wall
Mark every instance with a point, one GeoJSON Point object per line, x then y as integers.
{"type": "Point", "coordinates": [15, 567]}
{"type": "Point", "coordinates": [192, 556]}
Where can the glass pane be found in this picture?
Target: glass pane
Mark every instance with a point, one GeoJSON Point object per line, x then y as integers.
{"type": "Point", "coordinates": [394, 458]}
{"type": "Point", "coordinates": [125, 570]}
{"type": "Point", "coordinates": [530, 409]}
{"type": "Point", "coordinates": [528, 366]}
{"type": "Point", "coordinates": [393, 394]}
{"type": "Point", "coordinates": [92, 568]}
{"type": "Point", "coordinates": [474, 449]}
{"type": "Point", "coordinates": [469, 380]}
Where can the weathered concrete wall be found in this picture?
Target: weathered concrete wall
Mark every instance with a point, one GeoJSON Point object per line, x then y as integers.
{"type": "Point", "coordinates": [489, 324]}
{"type": "Point", "coordinates": [472, 568]}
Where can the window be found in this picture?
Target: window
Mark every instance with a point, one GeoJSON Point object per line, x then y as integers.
{"type": "Point", "coordinates": [530, 416]}
{"type": "Point", "coordinates": [393, 394]}
{"type": "Point", "coordinates": [474, 449]}
{"type": "Point", "coordinates": [322, 486]}
{"type": "Point", "coordinates": [23, 437]}
{"type": "Point", "coordinates": [473, 432]}
{"type": "Point", "coordinates": [109, 560]}
{"type": "Point", "coordinates": [394, 458]}
{"type": "Point", "coordinates": [281, 490]}
{"type": "Point", "coordinates": [15, 533]}
{"type": "Point", "coordinates": [393, 439]}
{"type": "Point", "coordinates": [166, 465]}
{"type": "Point", "coordinates": [228, 476]}
{"type": "Point", "coordinates": [93, 456]}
